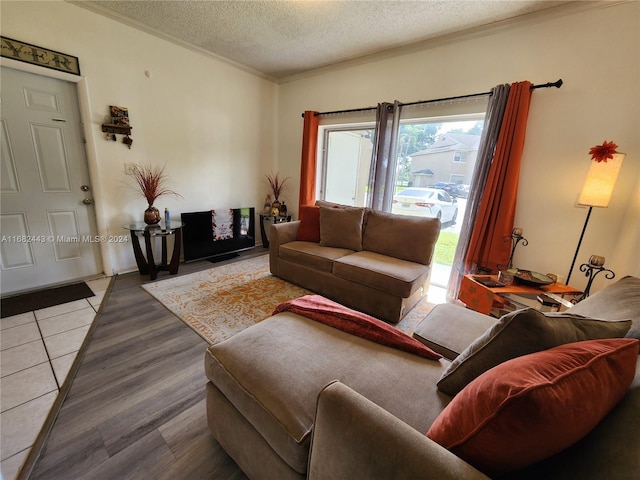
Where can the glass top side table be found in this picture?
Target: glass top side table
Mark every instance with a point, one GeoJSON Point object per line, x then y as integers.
{"type": "Point", "coordinates": [147, 266]}
{"type": "Point", "coordinates": [269, 220]}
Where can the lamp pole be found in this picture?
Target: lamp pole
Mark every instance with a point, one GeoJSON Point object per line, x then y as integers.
{"type": "Point", "coordinates": [579, 243]}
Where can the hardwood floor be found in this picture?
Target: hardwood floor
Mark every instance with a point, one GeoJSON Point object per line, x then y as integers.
{"type": "Point", "coordinates": [136, 408]}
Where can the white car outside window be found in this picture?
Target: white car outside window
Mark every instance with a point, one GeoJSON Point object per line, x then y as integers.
{"type": "Point", "coordinates": [425, 202]}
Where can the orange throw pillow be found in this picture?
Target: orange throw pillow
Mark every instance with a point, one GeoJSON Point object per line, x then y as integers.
{"type": "Point", "coordinates": [309, 230]}
{"type": "Point", "coordinates": [534, 406]}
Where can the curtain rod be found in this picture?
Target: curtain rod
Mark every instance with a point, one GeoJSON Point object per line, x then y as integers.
{"type": "Point", "coordinates": [556, 84]}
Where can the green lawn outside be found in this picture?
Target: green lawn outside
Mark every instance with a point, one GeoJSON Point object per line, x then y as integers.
{"type": "Point", "coordinates": [446, 248]}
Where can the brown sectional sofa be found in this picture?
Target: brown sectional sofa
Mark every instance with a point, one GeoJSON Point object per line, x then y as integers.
{"type": "Point", "coordinates": [290, 398]}
{"type": "Point", "coordinates": [374, 262]}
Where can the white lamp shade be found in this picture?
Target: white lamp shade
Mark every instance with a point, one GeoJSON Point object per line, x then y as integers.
{"type": "Point", "coordinates": [600, 181]}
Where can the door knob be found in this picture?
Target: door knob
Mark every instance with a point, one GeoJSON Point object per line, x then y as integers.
{"type": "Point", "coordinates": [88, 201]}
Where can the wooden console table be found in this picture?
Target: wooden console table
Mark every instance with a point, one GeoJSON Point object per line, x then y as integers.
{"type": "Point", "coordinates": [481, 298]}
{"type": "Point", "coordinates": [147, 266]}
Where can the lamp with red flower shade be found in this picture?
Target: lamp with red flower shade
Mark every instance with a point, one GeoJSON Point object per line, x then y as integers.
{"type": "Point", "coordinates": [598, 187]}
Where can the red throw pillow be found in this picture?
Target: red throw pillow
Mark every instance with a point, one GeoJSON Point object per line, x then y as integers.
{"type": "Point", "coordinates": [309, 230]}
{"type": "Point", "coordinates": [532, 407]}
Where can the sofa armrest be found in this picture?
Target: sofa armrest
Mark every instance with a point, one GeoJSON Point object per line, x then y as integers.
{"type": "Point", "coordinates": [279, 234]}
{"type": "Point", "coordinates": [618, 301]}
{"type": "Point", "coordinates": [355, 438]}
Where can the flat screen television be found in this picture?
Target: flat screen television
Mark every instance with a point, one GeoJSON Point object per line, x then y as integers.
{"type": "Point", "coordinates": [234, 232]}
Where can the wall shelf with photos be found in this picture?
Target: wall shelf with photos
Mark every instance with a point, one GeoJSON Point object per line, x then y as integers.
{"type": "Point", "coordinates": [119, 125]}
{"type": "Point", "coordinates": [117, 129]}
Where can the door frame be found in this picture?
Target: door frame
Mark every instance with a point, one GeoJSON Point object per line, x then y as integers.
{"type": "Point", "coordinates": [82, 91]}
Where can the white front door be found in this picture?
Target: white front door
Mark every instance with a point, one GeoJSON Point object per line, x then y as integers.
{"type": "Point", "coordinates": [47, 221]}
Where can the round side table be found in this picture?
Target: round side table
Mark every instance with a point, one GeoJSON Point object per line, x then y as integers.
{"type": "Point", "coordinates": [147, 266]}
{"type": "Point", "coordinates": [265, 223]}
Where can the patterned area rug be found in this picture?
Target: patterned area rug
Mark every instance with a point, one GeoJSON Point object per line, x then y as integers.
{"type": "Point", "coordinates": [219, 302]}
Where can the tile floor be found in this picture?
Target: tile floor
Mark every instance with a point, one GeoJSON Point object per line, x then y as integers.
{"type": "Point", "coordinates": [37, 351]}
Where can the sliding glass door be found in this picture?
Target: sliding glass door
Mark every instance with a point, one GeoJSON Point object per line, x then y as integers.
{"type": "Point", "coordinates": [433, 169]}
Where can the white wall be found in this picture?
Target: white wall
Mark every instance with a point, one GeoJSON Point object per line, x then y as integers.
{"type": "Point", "coordinates": [596, 51]}
{"type": "Point", "coordinates": [213, 125]}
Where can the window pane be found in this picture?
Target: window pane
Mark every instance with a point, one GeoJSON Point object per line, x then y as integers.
{"type": "Point", "coordinates": [346, 166]}
{"type": "Point", "coordinates": [437, 156]}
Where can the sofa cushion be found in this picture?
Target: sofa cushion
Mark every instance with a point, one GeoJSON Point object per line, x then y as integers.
{"type": "Point", "coordinates": [273, 371]}
{"type": "Point", "coordinates": [325, 203]}
{"type": "Point", "coordinates": [312, 254]}
{"type": "Point", "coordinates": [341, 227]}
{"type": "Point", "coordinates": [449, 329]}
{"type": "Point", "coordinates": [408, 238]}
{"type": "Point", "coordinates": [619, 301]}
{"type": "Point", "coordinates": [309, 230]}
{"type": "Point", "coordinates": [519, 333]}
{"type": "Point", "coordinates": [392, 275]}
{"type": "Point", "coordinates": [537, 405]}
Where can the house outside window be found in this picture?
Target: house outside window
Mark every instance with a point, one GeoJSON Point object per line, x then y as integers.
{"type": "Point", "coordinates": [457, 179]}
{"type": "Point", "coordinates": [443, 158]}
{"type": "Point", "coordinates": [460, 157]}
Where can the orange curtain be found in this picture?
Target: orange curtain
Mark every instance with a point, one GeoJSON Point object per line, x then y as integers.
{"type": "Point", "coordinates": [487, 249]}
{"type": "Point", "coordinates": [309, 160]}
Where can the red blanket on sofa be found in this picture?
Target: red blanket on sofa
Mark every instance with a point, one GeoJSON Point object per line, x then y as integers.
{"type": "Point", "coordinates": [356, 323]}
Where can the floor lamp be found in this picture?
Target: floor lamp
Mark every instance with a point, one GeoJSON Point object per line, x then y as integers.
{"type": "Point", "coordinates": [597, 191]}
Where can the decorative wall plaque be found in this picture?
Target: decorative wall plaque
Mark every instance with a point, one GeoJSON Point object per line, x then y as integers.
{"type": "Point", "coordinates": [28, 53]}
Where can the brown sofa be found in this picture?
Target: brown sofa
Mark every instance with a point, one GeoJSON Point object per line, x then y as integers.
{"type": "Point", "coordinates": [293, 398]}
{"type": "Point", "coordinates": [374, 262]}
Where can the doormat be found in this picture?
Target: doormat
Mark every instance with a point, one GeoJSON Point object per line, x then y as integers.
{"type": "Point", "coordinates": [44, 298]}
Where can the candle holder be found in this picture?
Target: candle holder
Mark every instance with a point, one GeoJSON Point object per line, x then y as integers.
{"type": "Point", "coordinates": [515, 238]}
{"type": "Point", "coordinates": [591, 270]}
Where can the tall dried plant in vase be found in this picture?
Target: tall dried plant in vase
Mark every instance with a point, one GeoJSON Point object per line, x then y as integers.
{"type": "Point", "coordinates": [152, 182]}
{"type": "Point", "coordinates": [277, 185]}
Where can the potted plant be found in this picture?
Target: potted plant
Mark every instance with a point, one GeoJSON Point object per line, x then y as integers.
{"type": "Point", "coordinates": [152, 183]}
{"type": "Point", "coordinates": [277, 187]}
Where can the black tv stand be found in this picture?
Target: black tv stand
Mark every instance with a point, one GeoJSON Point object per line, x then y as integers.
{"type": "Point", "coordinates": [222, 257]}
{"type": "Point", "coordinates": [197, 235]}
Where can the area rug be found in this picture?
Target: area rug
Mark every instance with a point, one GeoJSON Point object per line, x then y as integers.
{"type": "Point", "coordinates": [48, 297]}
{"type": "Point", "coordinates": [221, 301]}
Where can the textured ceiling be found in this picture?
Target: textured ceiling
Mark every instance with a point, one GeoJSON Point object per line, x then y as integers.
{"type": "Point", "coordinates": [280, 38]}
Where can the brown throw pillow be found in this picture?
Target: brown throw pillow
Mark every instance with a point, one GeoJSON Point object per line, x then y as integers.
{"type": "Point", "coordinates": [408, 238]}
{"type": "Point", "coordinates": [520, 333]}
{"type": "Point", "coordinates": [534, 406]}
{"type": "Point", "coordinates": [341, 227]}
